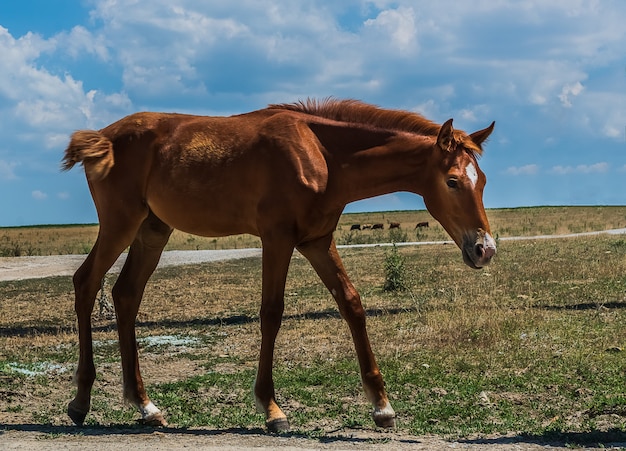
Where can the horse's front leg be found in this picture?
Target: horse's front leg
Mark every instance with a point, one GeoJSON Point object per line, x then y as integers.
{"type": "Point", "coordinates": [276, 258]}
{"type": "Point", "coordinates": [323, 256]}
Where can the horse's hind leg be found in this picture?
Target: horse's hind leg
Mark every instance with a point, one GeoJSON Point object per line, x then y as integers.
{"type": "Point", "coordinates": [110, 243]}
{"type": "Point", "coordinates": [143, 258]}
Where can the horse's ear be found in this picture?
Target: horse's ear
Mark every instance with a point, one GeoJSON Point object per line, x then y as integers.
{"type": "Point", "coordinates": [444, 139]}
{"type": "Point", "coordinates": [480, 136]}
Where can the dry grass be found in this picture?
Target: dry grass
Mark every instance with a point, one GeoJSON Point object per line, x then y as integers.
{"type": "Point", "coordinates": [78, 239]}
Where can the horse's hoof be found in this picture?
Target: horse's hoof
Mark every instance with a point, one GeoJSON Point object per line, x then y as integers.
{"type": "Point", "coordinates": [278, 425]}
{"type": "Point", "coordinates": [385, 422]}
{"type": "Point", "coordinates": [77, 416]}
{"type": "Point", "coordinates": [156, 420]}
{"type": "Point", "coordinates": [385, 417]}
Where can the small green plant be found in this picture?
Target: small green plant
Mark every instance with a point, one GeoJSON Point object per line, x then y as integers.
{"type": "Point", "coordinates": [395, 272]}
{"type": "Point", "coordinates": [398, 236]}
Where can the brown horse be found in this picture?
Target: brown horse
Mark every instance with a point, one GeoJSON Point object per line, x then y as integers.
{"type": "Point", "coordinates": [283, 173]}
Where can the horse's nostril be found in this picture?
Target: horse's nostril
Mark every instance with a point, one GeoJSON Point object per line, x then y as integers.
{"type": "Point", "coordinates": [480, 250]}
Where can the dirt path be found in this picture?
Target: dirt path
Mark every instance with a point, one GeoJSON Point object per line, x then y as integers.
{"type": "Point", "coordinates": [29, 437]}
{"type": "Point", "coordinates": [19, 268]}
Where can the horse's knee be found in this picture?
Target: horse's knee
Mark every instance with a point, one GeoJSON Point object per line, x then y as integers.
{"type": "Point", "coordinates": [85, 287]}
{"type": "Point", "coordinates": [126, 296]}
{"type": "Point", "coordinates": [85, 376]}
{"type": "Point", "coordinates": [271, 316]}
{"type": "Point", "coordinates": [121, 292]}
{"type": "Point", "coordinates": [351, 308]}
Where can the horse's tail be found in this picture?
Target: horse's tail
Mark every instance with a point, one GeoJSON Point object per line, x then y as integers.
{"type": "Point", "coordinates": [94, 150]}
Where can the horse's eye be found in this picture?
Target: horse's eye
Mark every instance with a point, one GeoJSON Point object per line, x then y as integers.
{"type": "Point", "coordinates": [453, 183]}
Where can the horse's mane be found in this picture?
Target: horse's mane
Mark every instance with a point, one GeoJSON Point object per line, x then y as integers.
{"type": "Point", "coordinates": [357, 112]}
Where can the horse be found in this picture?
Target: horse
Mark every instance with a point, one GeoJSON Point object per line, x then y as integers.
{"type": "Point", "coordinates": [394, 225]}
{"type": "Point", "coordinates": [378, 226]}
{"type": "Point", "coordinates": [355, 227]}
{"type": "Point", "coordinates": [283, 173]}
{"type": "Point", "coordinates": [419, 225]}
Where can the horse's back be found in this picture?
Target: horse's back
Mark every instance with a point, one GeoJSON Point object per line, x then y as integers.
{"type": "Point", "coordinates": [216, 175]}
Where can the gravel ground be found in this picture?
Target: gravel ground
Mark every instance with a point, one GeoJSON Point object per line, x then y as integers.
{"type": "Point", "coordinates": [20, 268]}
{"type": "Point", "coordinates": [234, 440]}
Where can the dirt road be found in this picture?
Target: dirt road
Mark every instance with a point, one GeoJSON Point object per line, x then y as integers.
{"type": "Point", "coordinates": [19, 268]}
{"type": "Point", "coordinates": [30, 437]}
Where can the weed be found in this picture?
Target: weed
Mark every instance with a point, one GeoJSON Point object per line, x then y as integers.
{"type": "Point", "coordinates": [397, 236]}
{"type": "Point", "coordinates": [395, 271]}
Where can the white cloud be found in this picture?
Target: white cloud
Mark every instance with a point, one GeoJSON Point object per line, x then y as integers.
{"type": "Point", "coordinates": [397, 26]}
{"type": "Point", "coordinates": [39, 195]}
{"type": "Point", "coordinates": [529, 169]}
{"type": "Point", "coordinates": [569, 91]}
{"type": "Point", "coordinates": [474, 114]}
{"type": "Point", "coordinates": [80, 41]}
{"type": "Point", "coordinates": [195, 50]}
{"type": "Point", "coordinates": [56, 140]}
{"type": "Point", "coordinates": [607, 115]}
{"type": "Point", "coordinates": [612, 131]}
{"type": "Point", "coordinates": [468, 115]}
{"type": "Point", "coordinates": [597, 168]}
{"type": "Point", "coordinates": [7, 170]}
{"type": "Point", "coordinates": [34, 96]}
{"type": "Point", "coordinates": [64, 195]}
{"type": "Point", "coordinates": [427, 109]}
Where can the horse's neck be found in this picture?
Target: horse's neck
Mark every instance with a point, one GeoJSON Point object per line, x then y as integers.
{"type": "Point", "coordinates": [395, 166]}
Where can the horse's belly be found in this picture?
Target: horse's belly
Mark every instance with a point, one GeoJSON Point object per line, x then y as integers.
{"type": "Point", "coordinates": [205, 217]}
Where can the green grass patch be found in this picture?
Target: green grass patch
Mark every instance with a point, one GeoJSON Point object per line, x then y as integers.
{"type": "Point", "coordinates": [212, 399]}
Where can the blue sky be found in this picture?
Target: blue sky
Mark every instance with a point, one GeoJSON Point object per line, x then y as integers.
{"type": "Point", "coordinates": [551, 74]}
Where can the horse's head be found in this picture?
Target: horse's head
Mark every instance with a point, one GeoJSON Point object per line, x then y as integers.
{"type": "Point", "coordinates": [454, 192]}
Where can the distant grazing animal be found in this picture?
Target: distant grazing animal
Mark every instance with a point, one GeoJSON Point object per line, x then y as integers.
{"type": "Point", "coordinates": [355, 227]}
{"type": "Point", "coordinates": [367, 226]}
{"type": "Point", "coordinates": [394, 225]}
{"type": "Point", "coordinates": [421, 224]}
{"type": "Point", "coordinates": [283, 173]}
{"type": "Point", "coordinates": [378, 226]}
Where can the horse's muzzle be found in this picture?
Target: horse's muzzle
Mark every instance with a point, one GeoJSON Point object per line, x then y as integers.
{"type": "Point", "coordinates": [478, 251]}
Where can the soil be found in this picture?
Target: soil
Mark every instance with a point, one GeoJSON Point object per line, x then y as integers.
{"type": "Point", "coordinates": [28, 437]}
{"type": "Point", "coordinates": [15, 435]}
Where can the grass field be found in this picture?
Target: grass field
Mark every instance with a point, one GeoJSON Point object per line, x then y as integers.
{"type": "Point", "coordinates": [534, 344]}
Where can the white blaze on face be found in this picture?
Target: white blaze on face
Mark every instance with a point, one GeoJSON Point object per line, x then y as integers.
{"type": "Point", "coordinates": [489, 242]}
{"type": "Point", "coordinates": [470, 170]}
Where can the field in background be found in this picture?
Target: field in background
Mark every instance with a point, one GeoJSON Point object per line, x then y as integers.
{"type": "Point", "coordinates": [78, 239]}
{"type": "Point", "coordinates": [533, 345]}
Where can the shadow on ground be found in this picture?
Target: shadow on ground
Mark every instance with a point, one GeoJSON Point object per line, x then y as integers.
{"type": "Point", "coordinates": [593, 439]}
{"type": "Point", "coordinates": [22, 331]}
